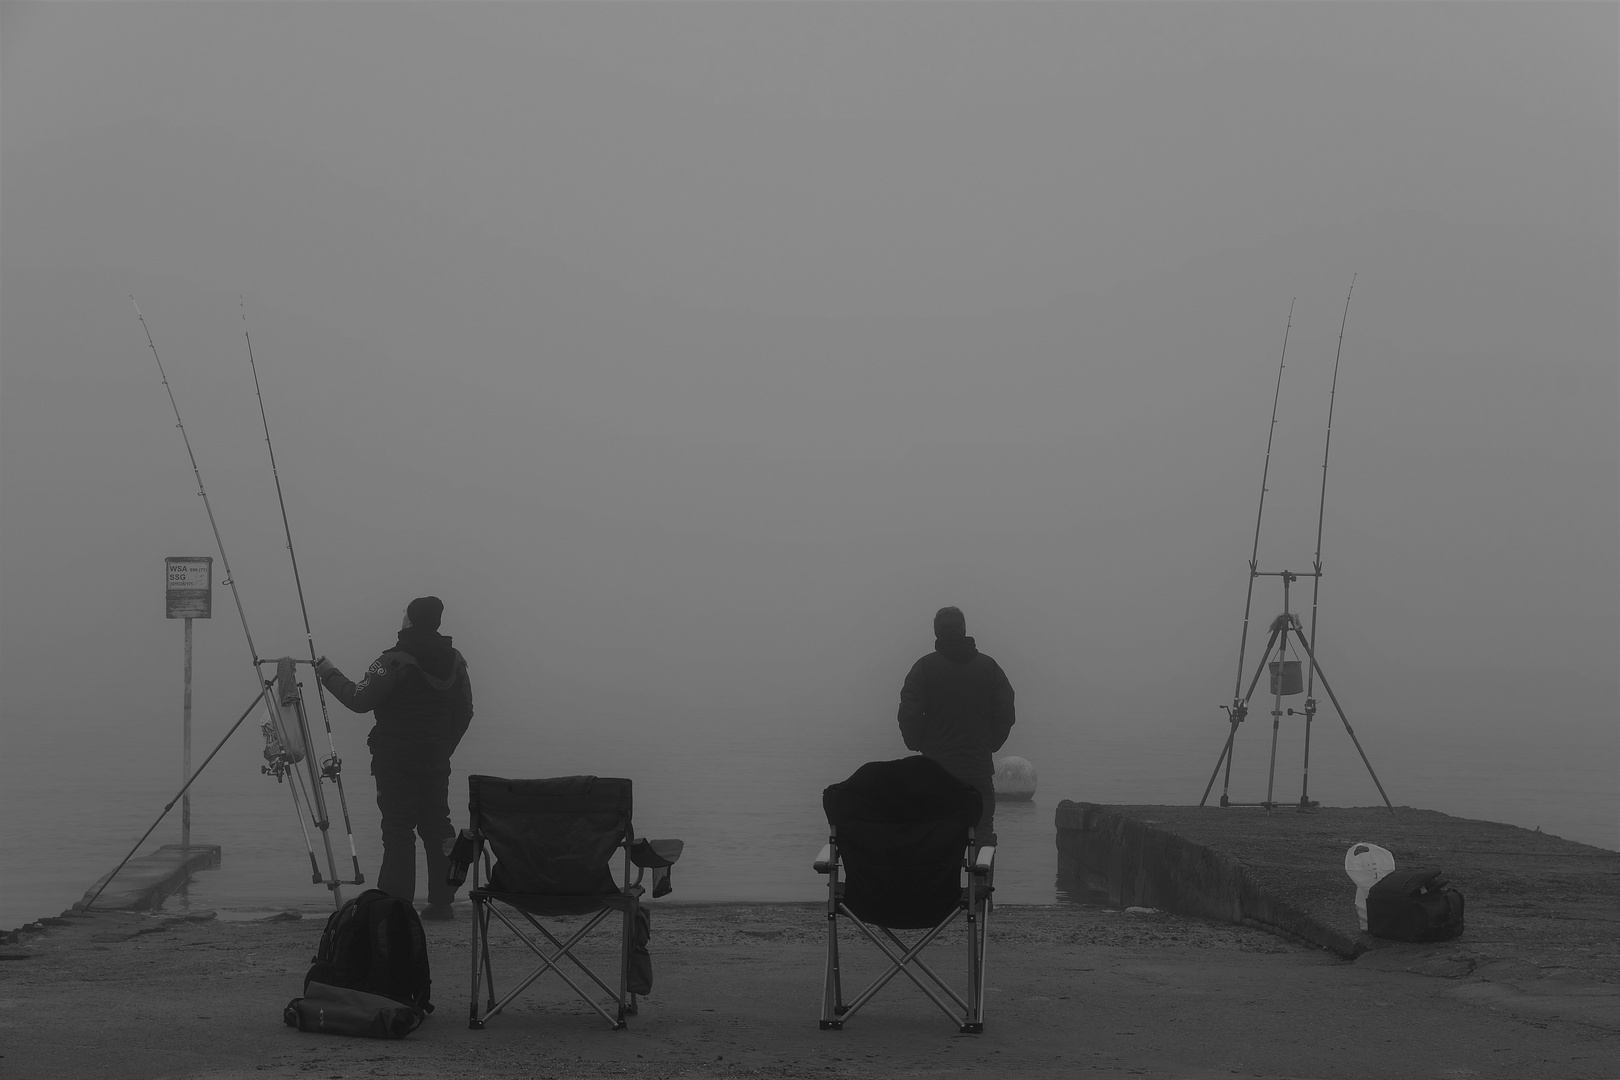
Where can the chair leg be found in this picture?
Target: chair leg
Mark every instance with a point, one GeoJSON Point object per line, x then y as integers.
{"type": "Point", "coordinates": [832, 991]}
{"type": "Point", "coordinates": [480, 929]}
{"type": "Point", "coordinates": [472, 1005]}
{"type": "Point", "coordinates": [832, 988]}
{"type": "Point", "coordinates": [978, 943]}
{"type": "Point", "coordinates": [973, 1021]}
{"type": "Point", "coordinates": [984, 950]}
{"type": "Point", "coordinates": [625, 935]}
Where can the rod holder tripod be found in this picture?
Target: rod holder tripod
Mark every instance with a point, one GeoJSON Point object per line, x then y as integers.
{"type": "Point", "coordinates": [1282, 627]}
{"type": "Point", "coordinates": [1287, 623]}
{"type": "Point", "coordinates": [287, 747]}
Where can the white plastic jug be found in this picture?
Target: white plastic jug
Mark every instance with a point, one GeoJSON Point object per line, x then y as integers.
{"type": "Point", "coordinates": [1366, 863]}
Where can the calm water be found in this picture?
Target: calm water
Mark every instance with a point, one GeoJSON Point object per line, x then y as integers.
{"type": "Point", "coordinates": [745, 797]}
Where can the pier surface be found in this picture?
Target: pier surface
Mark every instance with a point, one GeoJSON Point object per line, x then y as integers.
{"type": "Point", "coordinates": [1532, 988]}
{"type": "Point", "coordinates": [1535, 903]}
{"type": "Point", "coordinates": [143, 882]}
{"type": "Point", "coordinates": [1071, 991]}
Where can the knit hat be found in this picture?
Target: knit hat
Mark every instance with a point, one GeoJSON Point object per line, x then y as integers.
{"type": "Point", "coordinates": [949, 622]}
{"type": "Point", "coordinates": [425, 612]}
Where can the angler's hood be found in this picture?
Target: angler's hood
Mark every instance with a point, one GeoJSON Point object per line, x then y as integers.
{"type": "Point", "coordinates": [430, 649]}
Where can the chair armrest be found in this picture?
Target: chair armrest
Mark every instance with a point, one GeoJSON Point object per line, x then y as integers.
{"type": "Point", "coordinates": [825, 863]}
{"type": "Point", "coordinates": [462, 850]}
{"type": "Point", "coordinates": [657, 856]}
{"type": "Point", "coordinates": [984, 862]}
{"type": "Point", "coordinates": [652, 854]}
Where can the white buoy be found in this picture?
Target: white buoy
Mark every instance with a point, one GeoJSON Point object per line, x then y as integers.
{"type": "Point", "coordinates": [1015, 780]}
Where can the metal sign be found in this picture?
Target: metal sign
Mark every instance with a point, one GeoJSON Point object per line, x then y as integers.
{"type": "Point", "coordinates": [190, 587]}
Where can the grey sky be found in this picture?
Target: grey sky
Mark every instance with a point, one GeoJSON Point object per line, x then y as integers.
{"type": "Point", "coordinates": [694, 353]}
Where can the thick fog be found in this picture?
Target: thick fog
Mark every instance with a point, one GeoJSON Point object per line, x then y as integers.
{"type": "Point", "coordinates": [694, 354]}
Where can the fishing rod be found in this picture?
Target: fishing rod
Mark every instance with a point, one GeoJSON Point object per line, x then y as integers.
{"type": "Point", "coordinates": [230, 578]}
{"type": "Point", "coordinates": [170, 804]}
{"type": "Point", "coordinates": [1239, 707]}
{"type": "Point", "coordinates": [1321, 505]}
{"type": "Point", "coordinates": [1316, 585]}
{"type": "Point", "coordinates": [1316, 564]}
{"type": "Point", "coordinates": [1265, 472]}
{"type": "Point", "coordinates": [277, 767]}
{"type": "Point", "coordinates": [332, 767]}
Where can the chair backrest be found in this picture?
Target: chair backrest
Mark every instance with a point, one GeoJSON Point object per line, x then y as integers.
{"type": "Point", "coordinates": [554, 837]}
{"type": "Point", "coordinates": [902, 830]}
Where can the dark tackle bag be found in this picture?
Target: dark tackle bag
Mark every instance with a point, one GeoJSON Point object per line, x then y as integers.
{"type": "Point", "coordinates": [373, 947]}
{"type": "Point", "coordinates": [1414, 905]}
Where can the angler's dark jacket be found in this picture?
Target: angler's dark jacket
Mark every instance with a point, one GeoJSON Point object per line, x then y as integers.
{"type": "Point", "coordinates": [421, 696]}
{"type": "Point", "coordinates": [957, 707]}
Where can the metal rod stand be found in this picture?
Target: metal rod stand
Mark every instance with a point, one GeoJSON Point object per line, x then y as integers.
{"type": "Point", "coordinates": [1282, 627]}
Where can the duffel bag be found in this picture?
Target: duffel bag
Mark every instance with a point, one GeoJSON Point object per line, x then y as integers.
{"type": "Point", "coordinates": [339, 1011]}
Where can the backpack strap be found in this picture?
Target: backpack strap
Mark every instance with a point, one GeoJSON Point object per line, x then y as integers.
{"type": "Point", "coordinates": [421, 977]}
{"type": "Point", "coordinates": [395, 927]}
{"type": "Point", "coordinates": [381, 918]}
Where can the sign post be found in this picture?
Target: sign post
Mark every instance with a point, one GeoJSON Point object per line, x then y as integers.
{"type": "Point", "coordinates": [189, 594]}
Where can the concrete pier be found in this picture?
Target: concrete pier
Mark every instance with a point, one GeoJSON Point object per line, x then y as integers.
{"type": "Point", "coordinates": [1531, 897]}
{"type": "Point", "coordinates": [145, 880]}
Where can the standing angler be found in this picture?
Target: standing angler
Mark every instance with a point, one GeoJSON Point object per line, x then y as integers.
{"type": "Point", "coordinates": [956, 707]}
{"type": "Point", "coordinates": [423, 703]}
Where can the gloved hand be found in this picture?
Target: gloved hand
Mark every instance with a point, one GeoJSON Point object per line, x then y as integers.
{"type": "Point", "coordinates": [325, 667]}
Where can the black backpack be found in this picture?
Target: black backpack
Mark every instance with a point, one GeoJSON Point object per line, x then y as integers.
{"type": "Point", "coordinates": [375, 943]}
{"type": "Point", "coordinates": [1414, 905]}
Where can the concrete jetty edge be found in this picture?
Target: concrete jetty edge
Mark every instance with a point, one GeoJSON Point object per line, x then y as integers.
{"type": "Point", "coordinates": [1531, 896]}
{"type": "Point", "coordinates": [1138, 863]}
{"type": "Point", "coordinates": [143, 882]}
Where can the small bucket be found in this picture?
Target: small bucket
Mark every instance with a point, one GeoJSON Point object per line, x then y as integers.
{"type": "Point", "coordinates": [1286, 677]}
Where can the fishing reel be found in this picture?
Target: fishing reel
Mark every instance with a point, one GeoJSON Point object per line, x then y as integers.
{"type": "Point", "coordinates": [279, 762]}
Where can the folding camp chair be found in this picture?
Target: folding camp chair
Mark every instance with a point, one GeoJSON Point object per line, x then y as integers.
{"type": "Point", "coordinates": [902, 831]}
{"type": "Point", "coordinates": [545, 848]}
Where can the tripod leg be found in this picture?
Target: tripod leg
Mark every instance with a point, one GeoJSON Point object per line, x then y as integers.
{"type": "Point", "coordinates": [1240, 709]}
{"type": "Point", "coordinates": [1305, 781]}
{"type": "Point", "coordinates": [1345, 721]}
{"type": "Point", "coordinates": [1231, 755]}
{"type": "Point", "coordinates": [1225, 750]}
{"type": "Point", "coordinates": [298, 811]}
{"type": "Point", "coordinates": [1260, 667]}
{"type": "Point", "coordinates": [1276, 717]}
